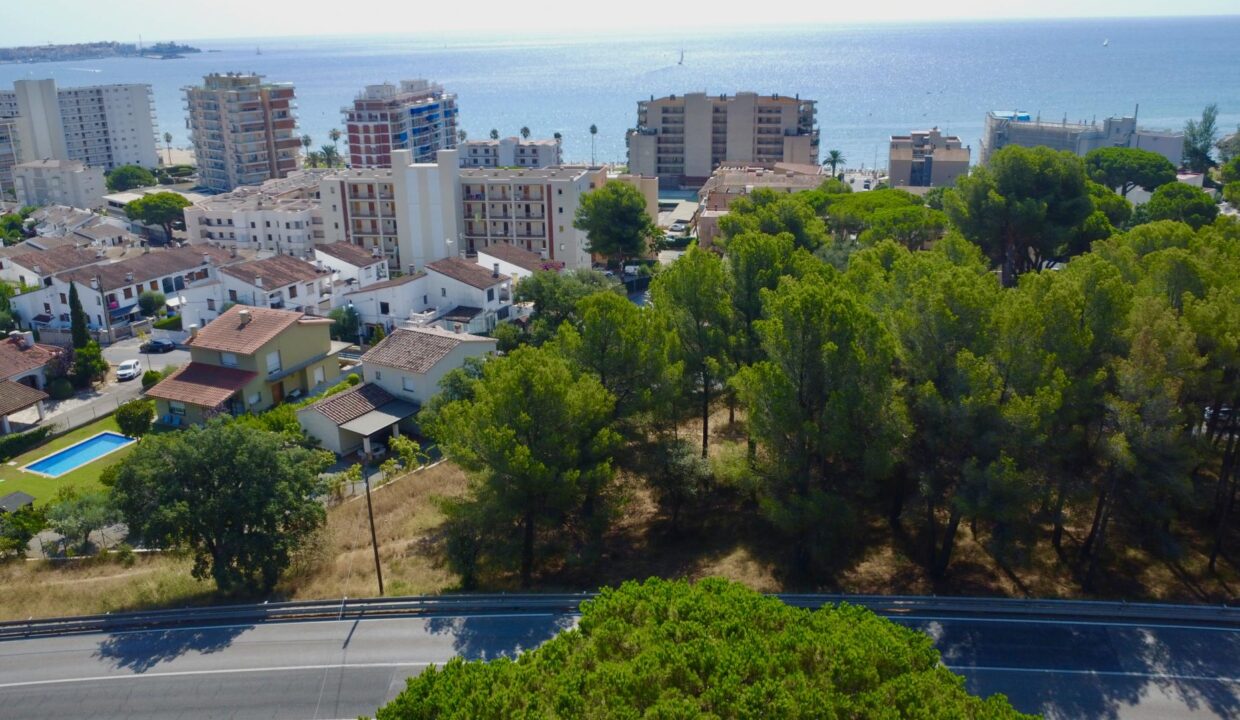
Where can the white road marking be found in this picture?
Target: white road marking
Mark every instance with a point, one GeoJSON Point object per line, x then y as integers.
{"type": "Point", "coordinates": [1104, 673]}
{"type": "Point", "coordinates": [1087, 623]}
{"type": "Point", "coordinates": [225, 671]}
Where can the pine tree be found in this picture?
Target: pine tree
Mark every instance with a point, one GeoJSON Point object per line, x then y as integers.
{"type": "Point", "coordinates": [77, 318]}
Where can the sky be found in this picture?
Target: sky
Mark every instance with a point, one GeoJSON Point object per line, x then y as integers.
{"type": "Point", "coordinates": [36, 22]}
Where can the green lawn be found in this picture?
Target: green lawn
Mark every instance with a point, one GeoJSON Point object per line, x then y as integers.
{"type": "Point", "coordinates": [13, 478]}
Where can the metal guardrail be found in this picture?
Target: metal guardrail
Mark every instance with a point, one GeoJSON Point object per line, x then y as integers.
{"type": "Point", "coordinates": [449, 605]}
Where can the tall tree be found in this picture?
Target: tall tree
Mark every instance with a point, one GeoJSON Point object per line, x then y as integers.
{"type": "Point", "coordinates": [692, 292]}
{"type": "Point", "coordinates": [330, 155]}
{"type": "Point", "coordinates": [306, 142]}
{"type": "Point", "coordinates": [773, 213]}
{"type": "Point", "coordinates": [525, 132]}
{"type": "Point", "coordinates": [161, 208]}
{"type": "Point", "coordinates": [913, 226]}
{"type": "Point", "coordinates": [755, 262]}
{"type": "Point", "coordinates": [834, 158]}
{"type": "Point", "coordinates": [461, 135]}
{"type": "Point", "coordinates": [593, 133]}
{"type": "Point", "coordinates": [1199, 139]}
{"type": "Point", "coordinates": [821, 407]}
{"type": "Point", "coordinates": [494, 134]}
{"type": "Point", "coordinates": [78, 322]}
{"type": "Point", "coordinates": [556, 295]}
{"type": "Point", "coordinates": [536, 440]}
{"type": "Point", "coordinates": [334, 136]}
{"type": "Point", "coordinates": [615, 221]}
{"type": "Point", "coordinates": [1123, 168]}
{"type": "Point", "coordinates": [240, 500]}
{"type": "Point", "coordinates": [1023, 209]}
{"type": "Point", "coordinates": [128, 177]}
{"type": "Point", "coordinates": [168, 146]}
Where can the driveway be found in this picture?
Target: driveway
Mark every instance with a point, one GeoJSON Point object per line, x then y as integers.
{"type": "Point", "coordinates": [86, 407]}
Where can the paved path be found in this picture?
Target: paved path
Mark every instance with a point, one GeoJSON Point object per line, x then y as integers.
{"type": "Point", "coordinates": [337, 669]}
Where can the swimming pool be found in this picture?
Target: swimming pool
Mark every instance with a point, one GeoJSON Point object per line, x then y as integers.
{"type": "Point", "coordinates": [75, 456]}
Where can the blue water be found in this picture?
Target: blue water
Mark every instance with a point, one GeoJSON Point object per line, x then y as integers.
{"type": "Point", "coordinates": [871, 81]}
{"type": "Point", "coordinates": [75, 456]}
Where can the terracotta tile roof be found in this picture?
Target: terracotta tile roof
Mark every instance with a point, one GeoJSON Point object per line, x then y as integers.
{"type": "Point", "coordinates": [352, 404]}
{"type": "Point", "coordinates": [418, 349]}
{"type": "Point", "coordinates": [464, 271]}
{"type": "Point", "coordinates": [202, 384]}
{"type": "Point", "coordinates": [16, 396]}
{"type": "Point", "coordinates": [520, 257]}
{"type": "Point", "coordinates": [58, 259]}
{"type": "Point", "coordinates": [15, 359]}
{"type": "Point", "coordinates": [394, 282]}
{"type": "Point", "coordinates": [148, 266]}
{"type": "Point", "coordinates": [350, 253]}
{"type": "Point", "coordinates": [276, 271]}
{"type": "Point", "coordinates": [230, 332]}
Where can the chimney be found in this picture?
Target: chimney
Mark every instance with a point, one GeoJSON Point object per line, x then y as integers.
{"type": "Point", "coordinates": [494, 270]}
{"type": "Point", "coordinates": [193, 330]}
{"type": "Point", "coordinates": [258, 281]}
{"type": "Point", "coordinates": [245, 316]}
{"type": "Point", "coordinates": [94, 283]}
{"type": "Point", "coordinates": [456, 328]}
{"type": "Point", "coordinates": [128, 277]}
{"type": "Point", "coordinates": [37, 270]}
{"type": "Point", "coordinates": [232, 251]}
{"type": "Point", "coordinates": [27, 340]}
{"type": "Point", "coordinates": [206, 258]}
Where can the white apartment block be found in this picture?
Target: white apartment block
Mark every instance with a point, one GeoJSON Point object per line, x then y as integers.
{"type": "Point", "coordinates": [510, 152]}
{"type": "Point", "coordinates": [1005, 128]}
{"type": "Point", "coordinates": [681, 139]}
{"type": "Point", "coordinates": [408, 211]}
{"type": "Point", "coordinates": [59, 182]}
{"type": "Point", "coordinates": [418, 116]}
{"type": "Point", "coordinates": [103, 126]}
{"type": "Point", "coordinates": [244, 130]}
{"type": "Point", "coordinates": [280, 216]}
{"type": "Point", "coordinates": [10, 155]}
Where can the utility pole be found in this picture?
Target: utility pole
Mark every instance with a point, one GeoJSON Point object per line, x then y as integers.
{"type": "Point", "coordinates": [374, 540]}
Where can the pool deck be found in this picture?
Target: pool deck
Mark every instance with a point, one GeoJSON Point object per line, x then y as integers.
{"type": "Point", "coordinates": [122, 446]}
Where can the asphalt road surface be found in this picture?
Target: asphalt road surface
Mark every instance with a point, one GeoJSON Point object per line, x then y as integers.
{"type": "Point", "coordinates": [342, 669]}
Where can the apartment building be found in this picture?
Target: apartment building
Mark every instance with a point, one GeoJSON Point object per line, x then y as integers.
{"type": "Point", "coordinates": [510, 152]}
{"type": "Point", "coordinates": [247, 360]}
{"type": "Point", "coordinates": [1005, 128]}
{"type": "Point", "coordinates": [418, 116]}
{"type": "Point", "coordinates": [244, 130]}
{"type": "Point", "coordinates": [408, 211]}
{"type": "Point", "coordinates": [103, 126]}
{"type": "Point", "coordinates": [280, 216]}
{"type": "Point", "coordinates": [59, 182]}
{"type": "Point", "coordinates": [926, 158]}
{"type": "Point", "coordinates": [681, 139]}
{"type": "Point", "coordinates": [10, 154]}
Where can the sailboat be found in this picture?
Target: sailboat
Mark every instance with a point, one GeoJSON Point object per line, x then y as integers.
{"type": "Point", "coordinates": [1106, 42]}
{"type": "Point", "coordinates": [682, 58]}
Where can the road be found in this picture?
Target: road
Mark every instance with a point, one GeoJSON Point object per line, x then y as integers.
{"type": "Point", "coordinates": [338, 669]}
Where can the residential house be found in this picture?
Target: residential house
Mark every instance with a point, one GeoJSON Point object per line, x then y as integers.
{"type": "Point", "coordinates": [468, 295]}
{"type": "Point", "coordinates": [402, 373]}
{"type": "Point", "coordinates": [355, 267]}
{"type": "Point", "coordinates": [36, 268]}
{"type": "Point", "coordinates": [281, 281]}
{"type": "Point", "coordinates": [394, 301]}
{"type": "Point", "coordinates": [22, 360]}
{"type": "Point", "coordinates": [248, 360]}
{"type": "Point", "coordinates": [515, 262]}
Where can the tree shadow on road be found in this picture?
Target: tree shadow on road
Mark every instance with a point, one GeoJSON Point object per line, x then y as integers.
{"type": "Point", "coordinates": [1086, 671]}
{"type": "Point", "coordinates": [484, 638]}
{"type": "Point", "coordinates": [142, 650]}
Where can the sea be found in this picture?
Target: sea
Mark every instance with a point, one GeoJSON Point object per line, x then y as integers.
{"type": "Point", "coordinates": [870, 80]}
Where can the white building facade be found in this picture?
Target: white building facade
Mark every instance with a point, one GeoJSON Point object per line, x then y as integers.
{"type": "Point", "coordinates": [510, 152]}
{"type": "Point", "coordinates": [59, 182]}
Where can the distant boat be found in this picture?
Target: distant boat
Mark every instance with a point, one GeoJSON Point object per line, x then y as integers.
{"type": "Point", "coordinates": [682, 58]}
{"type": "Point", "coordinates": [1105, 43]}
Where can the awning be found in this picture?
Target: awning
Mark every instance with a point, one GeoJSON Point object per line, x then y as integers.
{"type": "Point", "coordinates": [385, 417]}
{"type": "Point", "coordinates": [123, 311]}
{"type": "Point", "coordinates": [173, 301]}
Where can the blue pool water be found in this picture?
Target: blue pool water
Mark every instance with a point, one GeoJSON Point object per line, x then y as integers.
{"type": "Point", "coordinates": [75, 456]}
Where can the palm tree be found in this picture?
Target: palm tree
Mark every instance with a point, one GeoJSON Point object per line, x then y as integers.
{"type": "Point", "coordinates": [593, 132]}
{"type": "Point", "coordinates": [525, 133]}
{"type": "Point", "coordinates": [306, 142]}
{"type": "Point", "coordinates": [494, 134]}
{"type": "Point", "coordinates": [461, 135]}
{"type": "Point", "coordinates": [168, 146]}
{"type": "Point", "coordinates": [834, 158]}
{"type": "Point", "coordinates": [334, 134]}
{"type": "Point", "coordinates": [558, 136]}
{"type": "Point", "coordinates": [314, 158]}
{"type": "Point", "coordinates": [330, 154]}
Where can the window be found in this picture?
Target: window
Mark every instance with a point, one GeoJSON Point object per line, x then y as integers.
{"type": "Point", "coordinates": [406, 383]}
{"type": "Point", "coordinates": [384, 309]}
{"type": "Point", "coordinates": [273, 362]}
{"type": "Point", "coordinates": [378, 375]}
{"type": "Point", "coordinates": [63, 301]}
{"type": "Point", "coordinates": [232, 296]}
{"type": "Point", "coordinates": [292, 291]}
{"type": "Point", "coordinates": [256, 398]}
{"type": "Point", "coordinates": [228, 359]}
{"type": "Point", "coordinates": [128, 293]}
{"type": "Point", "coordinates": [425, 300]}
{"type": "Point", "coordinates": [318, 375]}
{"type": "Point", "coordinates": [211, 303]}
{"type": "Point", "coordinates": [176, 408]}
{"type": "Point", "coordinates": [490, 294]}
{"type": "Point", "coordinates": [443, 292]}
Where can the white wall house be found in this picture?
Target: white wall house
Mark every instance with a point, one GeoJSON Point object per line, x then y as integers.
{"type": "Point", "coordinates": [278, 282]}
{"type": "Point", "coordinates": [409, 363]}
{"type": "Point", "coordinates": [354, 266]}
{"type": "Point", "coordinates": [468, 295]}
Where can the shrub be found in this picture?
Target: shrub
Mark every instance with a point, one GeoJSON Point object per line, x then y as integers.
{"type": "Point", "coordinates": [60, 388]}
{"type": "Point", "coordinates": [13, 445]}
{"type": "Point", "coordinates": [150, 378]}
{"type": "Point", "coordinates": [168, 323]}
{"type": "Point", "coordinates": [135, 416]}
{"type": "Point", "coordinates": [150, 302]}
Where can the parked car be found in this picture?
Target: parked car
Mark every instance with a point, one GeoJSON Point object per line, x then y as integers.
{"type": "Point", "coordinates": [159, 345]}
{"type": "Point", "coordinates": [128, 370]}
{"type": "Point", "coordinates": [679, 227]}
